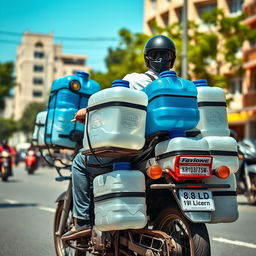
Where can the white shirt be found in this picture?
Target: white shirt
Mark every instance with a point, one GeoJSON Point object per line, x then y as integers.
{"type": "Point", "coordinates": [138, 81]}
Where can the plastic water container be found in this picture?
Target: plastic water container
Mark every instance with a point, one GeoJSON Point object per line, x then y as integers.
{"type": "Point", "coordinates": [172, 104]}
{"type": "Point", "coordinates": [213, 111]}
{"type": "Point", "coordinates": [119, 198]}
{"type": "Point", "coordinates": [225, 200]}
{"type": "Point", "coordinates": [117, 118]}
{"type": "Point", "coordinates": [224, 152]}
{"type": "Point", "coordinates": [39, 129]}
{"type": "Point", "coordinates": [68, 95]}
{"type": "Point", "coordinates": [167, 152]}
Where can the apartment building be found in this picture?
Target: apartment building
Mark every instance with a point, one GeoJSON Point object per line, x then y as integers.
{"type": "Point", "coordinates": [242, 110]}
{"type": "Point", "coordinates": [38, 62]}
{"type": "Point", "coordinates": [244, 120]}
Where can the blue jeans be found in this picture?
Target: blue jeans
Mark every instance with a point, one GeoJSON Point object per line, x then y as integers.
{"type": "Point", "coordinates": [82, 178]}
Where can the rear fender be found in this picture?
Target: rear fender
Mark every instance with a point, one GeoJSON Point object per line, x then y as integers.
{"type": "Point", "coordinates": [61, 197]}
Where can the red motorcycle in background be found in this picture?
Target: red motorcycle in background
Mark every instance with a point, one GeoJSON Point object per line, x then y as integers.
{"type": "Point", "coordinates": [31, 161]}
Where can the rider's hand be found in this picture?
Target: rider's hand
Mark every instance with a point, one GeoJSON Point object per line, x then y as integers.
{"type": "Point", "coordinates": [80, 116]}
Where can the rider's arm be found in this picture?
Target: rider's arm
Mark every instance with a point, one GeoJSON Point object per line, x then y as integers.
{"type": "Point", "coordinates": [80, 116]}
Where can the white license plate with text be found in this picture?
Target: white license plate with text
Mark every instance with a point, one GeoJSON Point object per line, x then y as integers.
{"type": "Point", "coordinates": [195, 170]}
{"type": "Point", "coordinates": [196, 200]}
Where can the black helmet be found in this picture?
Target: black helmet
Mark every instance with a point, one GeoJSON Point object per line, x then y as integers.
{"type": "Point", "coordinates": [4, 142]}
{"type": "Point", "coordinates": [159, 53]}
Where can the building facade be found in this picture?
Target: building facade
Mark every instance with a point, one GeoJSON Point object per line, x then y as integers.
{"type": "Point", "coordinates": [38, 62]}
{"type": "Point", "coordinates": [244, 120]}
{"type": "Point", "coordinates": [242, 109]}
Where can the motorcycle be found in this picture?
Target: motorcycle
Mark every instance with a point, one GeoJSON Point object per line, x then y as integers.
{"type": "Point", "coordinates": [31, 161]}
{"type": "Point", "coordinates": [6, 165]}
{"type": "Point", "coordinates": [177, 210]}
{"type": "Point", "coordinates": [246, 175]}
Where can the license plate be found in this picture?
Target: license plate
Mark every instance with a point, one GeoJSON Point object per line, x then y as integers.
{"type": "Point", "coordinates": [195, 170]}
{"type": "Point", "coordinates": [196, 200]}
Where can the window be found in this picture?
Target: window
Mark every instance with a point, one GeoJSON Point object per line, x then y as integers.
{"type": "Point", "coordinates": [235, 6]}
{"type": "Point", "coordinates": [38, 68]}
{"type": "Point", "coordinates": [165, 18]}
{"type": "Point", "coordinates": [39, 45]}
{"type": "Point", "coordinates": [236, 85]}
{"type": "Point", "coordinates": [70, 61]}
{"type": "Point", "coordinates": [37, 94]}
{"type": "Point", "coordinates": [38, 55]}
{"type": "Point", "coordinates": [205, 8]}
{"type": "Point", "coordinates": [253, 79]}
{"type": "Point", "coordinates": [38, 80]}
{"type": "Point", "coordinates": [179, 14]}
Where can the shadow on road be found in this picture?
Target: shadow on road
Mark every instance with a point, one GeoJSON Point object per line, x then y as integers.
{"type": "Point", "coordinates": [6, 205]}
{"type": "Point", "coordinates": [13, 181]}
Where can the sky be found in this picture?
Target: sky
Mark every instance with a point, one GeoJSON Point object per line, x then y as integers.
{"type": "Point", "coordinates": [70, 18]}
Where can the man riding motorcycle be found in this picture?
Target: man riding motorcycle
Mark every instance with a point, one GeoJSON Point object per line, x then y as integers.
{"type": "Point", "coordinates": [159, 56]}
{"type": "Point", "coordinates": [9, 149]}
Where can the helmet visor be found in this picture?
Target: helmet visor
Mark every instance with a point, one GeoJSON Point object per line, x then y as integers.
{"type": "Point", "coordinates": [160, 54]}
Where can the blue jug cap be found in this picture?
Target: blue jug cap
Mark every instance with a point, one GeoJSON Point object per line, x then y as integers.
{"type": "Point", "coordinates": [202, 82]}
{"type": "Point", "coordinates": [176, 133]}
{"type": "Point", "coordinates": [117, 166]}
{"type": "Point", "coordinates": [168, 73]}
{"type": "Point", "coordinates": [82, 74]}
{"type": "Point", "coordinates": [121, 83]}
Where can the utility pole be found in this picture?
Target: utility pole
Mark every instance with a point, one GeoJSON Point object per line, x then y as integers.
{"type": "Point", "coordinates": [184, 55]}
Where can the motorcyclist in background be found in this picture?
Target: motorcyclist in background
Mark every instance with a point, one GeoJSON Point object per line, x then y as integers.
{"type": "Point", "coordinates": [5, 147]}
{"type": "Point", "coordinates": [159, 56]}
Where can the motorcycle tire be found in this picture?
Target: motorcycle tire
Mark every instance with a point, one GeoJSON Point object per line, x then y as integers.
{"type": "Point", "coordinates": [30, 170]}
{"type": "Point", "coordinates": [4, 174]}
{"type": "Point", "coordinates": [58, 245]}
{"type": "Point", "coordinates": [251, 195]}
{"type": "Point", "coordinates": [189, 239]}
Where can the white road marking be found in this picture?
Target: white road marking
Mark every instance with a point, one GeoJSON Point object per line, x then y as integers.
{"type": "Point", "coordinates": [46, 209]}
{"type": "Point", "coordinates": [235, 242]}
{"type": "Point", "coordinates": [42, 208]}
{"type": "Point", "coordinates": [10, 201]}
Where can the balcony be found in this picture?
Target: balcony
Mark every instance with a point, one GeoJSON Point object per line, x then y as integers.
{"type": "Point", "coordinates": [249, 99]}
{"type": "Point", "coordinates": [249, 55]}
{"type": "Point", "coordinates": [250, 9]}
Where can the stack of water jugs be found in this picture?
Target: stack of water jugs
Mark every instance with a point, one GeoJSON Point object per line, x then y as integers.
{"type": "Point", "coordinates": [117, 119]}
{"type": "Point", "coordinates": [68, 95]}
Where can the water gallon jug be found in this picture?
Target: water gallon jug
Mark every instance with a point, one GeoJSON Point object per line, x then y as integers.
{"type": "Point", "coordinates": [117, 118]}
{"type": "Point", "coordinates": [68, 94]}
{"type": "Point", "coordinates": [224, 152]}
{"type": "Point", "coordinates": [213, 111]}
{"type": "Point", "coordinates": [39, 129]}
{"type": "Point", "coordinates": [225, 200]}
{"type": "Point", "coordinates": [119, 198]}
{"type": "Point", "coordinates": [172, 104]}
{"type": "Point", "coordinates": [185, 157]}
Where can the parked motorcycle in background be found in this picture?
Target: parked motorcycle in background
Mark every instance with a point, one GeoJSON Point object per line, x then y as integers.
{"type": "Point", "coordinates": [246, 176]}
{"type": "Point", "coordinates": [31, 161]}
{"type": "Point", "coordinates": [6, 165]}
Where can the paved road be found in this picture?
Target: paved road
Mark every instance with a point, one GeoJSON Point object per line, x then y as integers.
{"type": "Point", "coordinates": [27, 209]}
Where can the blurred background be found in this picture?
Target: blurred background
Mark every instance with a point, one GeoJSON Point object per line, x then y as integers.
{"type": "Point", "coordinates": [41, 41]}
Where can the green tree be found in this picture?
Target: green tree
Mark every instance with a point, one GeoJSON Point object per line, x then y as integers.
{"type": "Point", "coordinates": [208, 51]}
{"type": "Point", "coordinates": [27, 121]}
{"type": "Point", "coordinates": [6, 81]}
{"type": "Point", "coordinates": [7, 128]}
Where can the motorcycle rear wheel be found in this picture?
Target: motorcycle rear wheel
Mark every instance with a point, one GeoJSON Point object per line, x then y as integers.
{"type": "Point", "coordinates": [60, 250]}
{"type": "Point", "coordinates": [190, 239]}
{"type": "Point", "coordinates": [4, 173]}
{"type": "Point", "coordinates": [251, 195]}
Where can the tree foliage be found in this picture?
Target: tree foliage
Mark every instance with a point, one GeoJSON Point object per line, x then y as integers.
{"type": "Point", "coordinates": [27, 122]}
{"type": "Point", "coordinates": [6, 81]}
{"type": "Point", "coordinates": [209, 51]}
{"type": "Point", "coordinates": [7, 128]}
